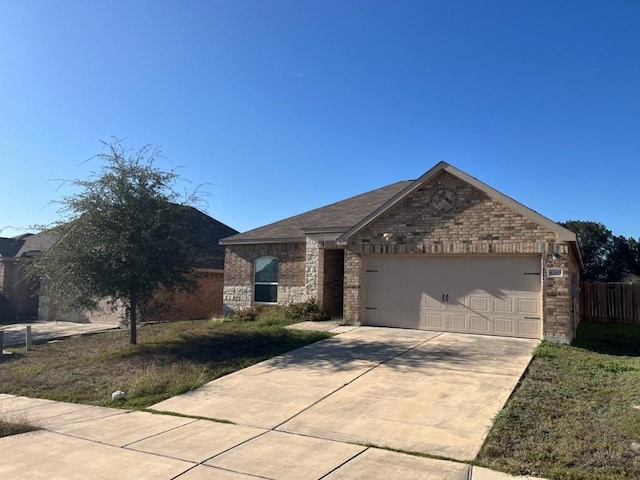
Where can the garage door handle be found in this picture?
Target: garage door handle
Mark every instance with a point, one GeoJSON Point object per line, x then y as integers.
{"type": "Point", "coordinates": [371, 308]}
{"type": "Point", "coordinates": [532, 318]}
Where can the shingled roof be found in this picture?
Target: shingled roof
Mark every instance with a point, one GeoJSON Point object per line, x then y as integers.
{"type": "Point", "coordinates": [350, 216]}
{"type": "Point", "coordinates": [335, 218]}
{"type": "Point", "coordinates": [204, 233]}
{"type": "Point", "coordinates": [26, 245]}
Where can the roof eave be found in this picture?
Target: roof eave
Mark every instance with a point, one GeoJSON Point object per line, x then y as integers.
{"type": "Point", "coordinates": [257, 241]}
{"type": "Point", "coordinates": [316, 230]}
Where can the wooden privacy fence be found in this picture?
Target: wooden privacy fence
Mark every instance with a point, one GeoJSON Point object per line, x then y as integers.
{"type": "Point", "coordinates": [610, 302]}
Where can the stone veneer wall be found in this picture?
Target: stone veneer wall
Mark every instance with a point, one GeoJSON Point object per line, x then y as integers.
{"type": "Point", "coordinates": [475, 224]}
{"type": "Point", "coordinates": [313, 268]}
{"type": "Point", "coordinates": [239, 273]}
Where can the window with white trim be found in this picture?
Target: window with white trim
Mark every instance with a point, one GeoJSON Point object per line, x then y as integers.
{"type": "Point", "coordinates": [265, 288]}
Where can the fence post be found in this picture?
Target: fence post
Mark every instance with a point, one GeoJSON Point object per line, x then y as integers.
{"type": "Point", "coordinates": [28, 337]}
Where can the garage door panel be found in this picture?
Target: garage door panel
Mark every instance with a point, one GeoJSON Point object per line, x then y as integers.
{"type": "Point", "coordinates": [528, 327]}
{"type": "Point", "coordinates": [528, 306]}
{"type": "Point", "coordinates": [431, 321]}
{"type": "Point", "coordinates": [456, 305]}
{"type": "Point", "coordinates": [497, 294]}
{"type": "Point", "coordinates": [479, 325]}
{"type": "Point", "coordinates": [479, 304]}
{"type": "Point", "coordinates": [457, 322]}
{"type": "Point", "coordinates": [503, 305]}
{"type": "Point", "coordinates": [504, 326]}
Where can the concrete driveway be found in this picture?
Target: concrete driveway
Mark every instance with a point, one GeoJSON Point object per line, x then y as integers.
{"type": "Point", "coordinates": [14, 334]}
{"type": "Point", "coordinates": [315, 413]}
{"type": "Point", "coordinates": [416, 391]}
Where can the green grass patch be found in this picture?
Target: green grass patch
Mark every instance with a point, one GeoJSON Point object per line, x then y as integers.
{"type": "Point", "coordinates": [576, 413]}
{"type": "Point", "coordinates": [170, 359]}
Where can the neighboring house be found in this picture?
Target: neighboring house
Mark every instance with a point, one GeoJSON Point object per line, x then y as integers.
{"type": "Point", "coordinates": [29, 299]}
{"type": "Point", "coordinates": [444, 252]}
{"type": "Point", "coordinates": [20, 292]}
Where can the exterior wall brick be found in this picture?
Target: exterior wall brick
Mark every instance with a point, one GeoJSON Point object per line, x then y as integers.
{"type": "Point", "coordinates": [239, 273]}
{"type": "Point", "coordinates": [475, 224]}
{"type": "Point", "coordinates": [21, 291]}
{"type": "Point", "coordinates": [469, 223]}
{"type": "Point", "coordinates": [332, 291]}
{"type": "Point", "coordinates": [204, 302]}
{"type": "Point", "coordinates": [352, 285]}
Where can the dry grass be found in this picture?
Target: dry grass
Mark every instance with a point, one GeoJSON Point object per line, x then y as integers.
{"type": "Point", "coordinates": [14, 424]}
{"type": "Point", "coordinates": [576, 413]}
{"type": "Point", "coordinates": [171, 358]}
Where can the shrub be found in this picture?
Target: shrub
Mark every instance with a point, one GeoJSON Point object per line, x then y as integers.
{"type": "Point", "coordinates": [279, 315]}
{"type": "Point", "coordinates": [306, 311]}
{"type": "Point", "coordinates": [247, 314]}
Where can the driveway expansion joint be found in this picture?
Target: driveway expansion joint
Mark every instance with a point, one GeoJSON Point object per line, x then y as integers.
{"type": "Point", "coordinates": [368, 370]}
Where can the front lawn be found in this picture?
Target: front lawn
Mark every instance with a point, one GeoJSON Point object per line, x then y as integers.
{"type": "Point", "coordinates": [576, 413]}
{"type": "Point", "coordinates": [171, 358]}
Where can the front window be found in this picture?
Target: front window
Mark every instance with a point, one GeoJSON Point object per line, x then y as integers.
{"type": "Point", "coordinates": [266, 280]}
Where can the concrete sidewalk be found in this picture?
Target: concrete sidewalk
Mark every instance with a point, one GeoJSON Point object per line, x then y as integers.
{"type": "Point", "coordinates": [80, 441]}
{"type": "Point", "coordinates": [279, 428]}
{"type": "Point", "coordinates": [15, 333]}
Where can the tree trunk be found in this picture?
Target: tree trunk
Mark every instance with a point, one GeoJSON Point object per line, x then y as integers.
{"type": "Point", "coordinates": [133, 306]}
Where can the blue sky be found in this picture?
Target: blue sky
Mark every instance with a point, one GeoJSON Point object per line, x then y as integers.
{"type": "Point", "coordinates": [281, 106]}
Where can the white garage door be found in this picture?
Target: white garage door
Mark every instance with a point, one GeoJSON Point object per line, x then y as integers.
{"type": "Point", "coordinates": [492, 295]}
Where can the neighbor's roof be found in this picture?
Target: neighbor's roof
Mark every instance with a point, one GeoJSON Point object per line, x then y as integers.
{"type": "Point", "coordinates": [9, 247]}
{"type": "Point", "coordinates": [205, 233]}
{"type": "Point", "coordinates": [26, 245]}
{"type": "Point", "coordinates": [352, 215]}
{"type": "Point", "coordinates": [335, 218]}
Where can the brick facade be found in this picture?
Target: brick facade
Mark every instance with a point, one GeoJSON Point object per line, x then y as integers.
{"type": "Point", "coordinates": [475, 224]}
{"type": "Point", "coordinates": [204, 302]}
{"type": "Point", "coordinates": [20, 289]}
{"type": "Point", "coordinates": [447, 213]}
{"type": "Point", "coordinates": [239, 273]}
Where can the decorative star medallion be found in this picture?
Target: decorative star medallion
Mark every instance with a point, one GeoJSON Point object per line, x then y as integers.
{"type": "Point", "coordinates": [443, 200]}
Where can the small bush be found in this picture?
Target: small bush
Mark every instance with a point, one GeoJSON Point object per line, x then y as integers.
{"type": "Point", "coordinates": [272, 315]}
{"type": "Point", "coordinates": [247, 314]}
{"type": "Point", "coordinates": [306, 311]}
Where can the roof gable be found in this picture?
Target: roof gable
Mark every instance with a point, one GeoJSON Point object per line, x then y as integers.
{"type": "Point", "coordinates": [562, 234]}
